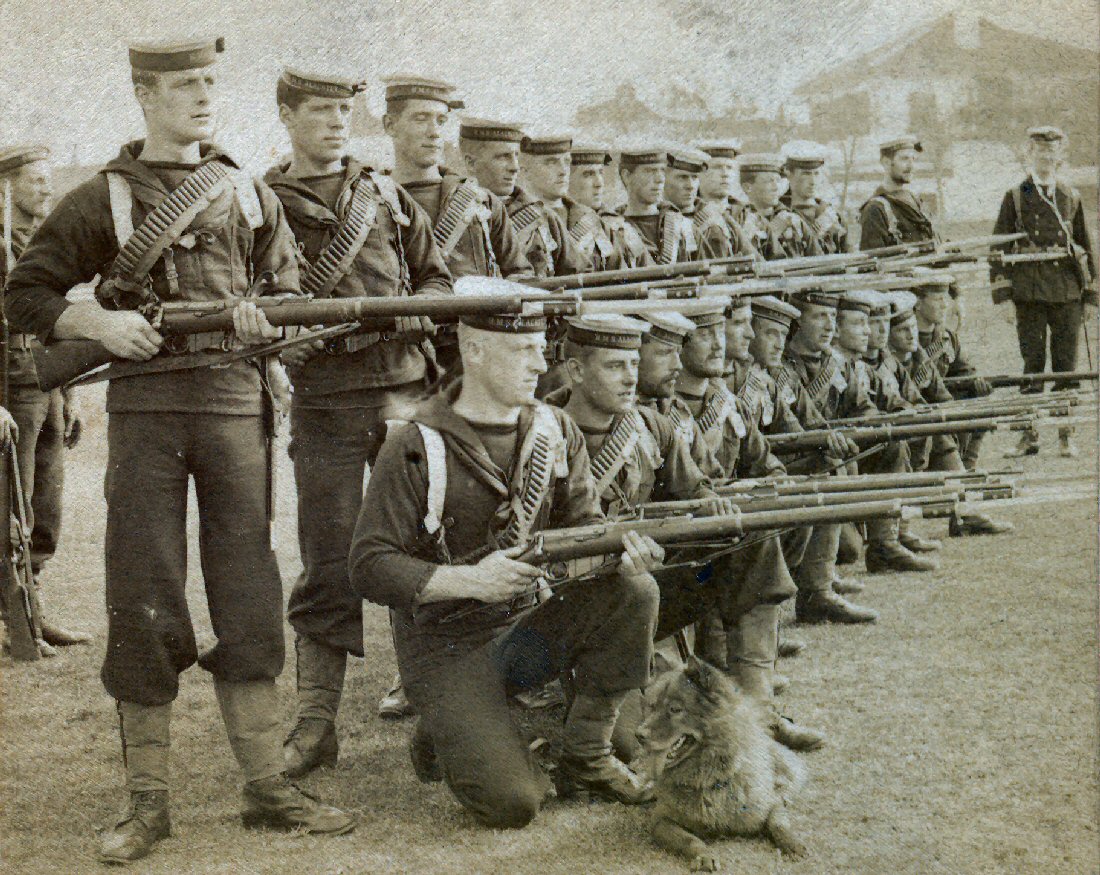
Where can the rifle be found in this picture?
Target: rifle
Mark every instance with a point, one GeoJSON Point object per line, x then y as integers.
{"type": "Point", "coordinates": [757, 503]}
{"type": "Point", "coordinates": [814, 485]}
{"type": "Point", "coordinates": [718, 268]}
{"type": "Point", "coordinates": [62, 362]}
{"type": "Point", "coordinates": [19, 600]}
{"type": "Point", "coordinates": [919, 415]}
{"type": "Point", "coordinates": [818, 438]}
{"type": "Point", "coordinates": [996, 380]}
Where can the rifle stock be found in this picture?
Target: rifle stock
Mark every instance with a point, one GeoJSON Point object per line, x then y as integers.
{"type": "Point", "coordinates": [20, 611]}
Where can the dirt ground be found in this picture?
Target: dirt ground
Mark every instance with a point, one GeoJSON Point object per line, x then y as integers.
{"type": "Point", "coordinates": [962, 727]}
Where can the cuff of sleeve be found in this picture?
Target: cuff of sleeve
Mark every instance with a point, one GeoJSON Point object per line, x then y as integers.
{"type": "Point", "coordinates": [48, 312]}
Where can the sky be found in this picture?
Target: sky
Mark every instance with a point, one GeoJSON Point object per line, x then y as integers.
{"type": "Point", "coordinates": [65, 80]}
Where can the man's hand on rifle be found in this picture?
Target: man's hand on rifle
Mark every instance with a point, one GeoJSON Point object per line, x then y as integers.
{"type": "Point", "coordinates": [981, 387]}
{"type": "Point", "coordinates": [251, 326]}
{"type": "Point", "coordinates": [718, 506]}
{"type": "Point", "coordinates": [499, 577]}
{"type": "Point", "coordinates": [125, 333]}
{"type": "Point", "coordinates": [9, 431]}
{"type": "Point", "coordinates": [414, 328]}
{"type": "Point", "coordinates": [641, 554]}
{"type": "Point", "coordinates": [70, 413]}
{"type": "Point", "coordinates": [840, 447]}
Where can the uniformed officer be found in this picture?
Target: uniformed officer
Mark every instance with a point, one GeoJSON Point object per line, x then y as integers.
{"type": "Point", "coordinates": [167, 428]}
{"type": "Point", "coordinates": [1048, 295]}
{"type": "Point", "coordinates": [803, 169]}
{"type": "Point", "coordinates": [599, 233]}
{"type": "Point", "coordinates": [454, 497]}
{"type": "Point", "coordinates": [343, 394]}
{"type": "Point", "coordinates": [491, 150]}
{"type": "Point", "coordinates": [774, 230]}
{"type": "Point", "coordinates": [48, 421]}
{"type": "Point", "coordinates": [658, 227]}
{"type": "Point", "coordinates": [894, 214]}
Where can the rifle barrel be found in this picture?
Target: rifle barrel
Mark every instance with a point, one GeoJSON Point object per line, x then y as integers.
{"type": "Point", "coordinates": [817, 438]}
{"type": "Point", "coordinates": [1026, 379]}
{"type": "Point", "coordinates": [754, 504]}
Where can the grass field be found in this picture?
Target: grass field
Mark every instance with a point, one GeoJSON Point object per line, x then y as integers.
{"type": "Point", "coordinates": [962, 727]}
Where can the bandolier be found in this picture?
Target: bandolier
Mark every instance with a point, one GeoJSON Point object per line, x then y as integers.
{"type": "Point", "coordinates": [359, 234]}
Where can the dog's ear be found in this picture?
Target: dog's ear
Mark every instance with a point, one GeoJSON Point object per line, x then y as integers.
{"type": "Point", "coordinates": [703, 676]}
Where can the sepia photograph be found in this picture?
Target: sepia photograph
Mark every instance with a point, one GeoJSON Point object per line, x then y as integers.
{"type": "Point", "coordinates": [647, 437]}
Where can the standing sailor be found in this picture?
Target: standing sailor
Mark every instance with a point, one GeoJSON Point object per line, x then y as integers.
{"type": "Point", "coordinates": [48, 422]}
{"type": "Point", "coordinates": [344, 394]}
{"type": "Point", "coordinates": [176, 219]}
{"type": "Point", "coordinates": [774, 230]}
{"type": "Point", "coordinates": [803, 168]}
{"type": "Point", "coordinates": [658, 228]}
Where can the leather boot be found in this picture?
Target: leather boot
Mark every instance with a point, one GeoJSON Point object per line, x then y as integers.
{"type": "Point", "coordinates": [587, 763]}
{"type": "Point", "coordinates": [1066, 447]}
{"type": "Point", "coordinates": [851, 544]}
{"type": "Point", "coordinates": [53, 634]}
{"type": "Point", "coordinates": [976, 524]}
{"type": "Point", "coordinates": [276, 803]}
{"type": "Point", "coordinates": [790, 734]}
{"type": "Point", "coordinates": [915, 543]}
{"type": "Point", "coordinates": [1028, 445]}
{"type": "Point", "coordinates": [145, 734]}
{"type": "Point", "coordinates": [847, 585]}
{"type": "Point", "coordinates": [825, 606]}
{"type": "Point", "coordinates": [312, 742]}
{"type": "Point", "coordinates": [144, 823]}
{"type": "Point", "coordinates": [790, 646]}
{"type": "Point", "coordinates": [885, 553]}
{"type": "Point", "coordinates": [885, 556]}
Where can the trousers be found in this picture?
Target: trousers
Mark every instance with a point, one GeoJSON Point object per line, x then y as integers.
{"type": "Point", "coordinates": [602, 630]}
{"type": "Point", "coordinates": [1036, 321]}
{"type": "Point", "coordinates": [332, 451]}
{"type": "Point", "coordinates": [151, 457]}
{"type": "Point", "coordinates": [41, 452]}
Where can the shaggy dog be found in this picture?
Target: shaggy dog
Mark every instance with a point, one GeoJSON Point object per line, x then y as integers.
{"type": "Point", "coordinates": [717, 769]}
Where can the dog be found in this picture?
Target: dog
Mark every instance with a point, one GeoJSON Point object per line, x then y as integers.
{"type": "Point", "coordinates": [718, 772]}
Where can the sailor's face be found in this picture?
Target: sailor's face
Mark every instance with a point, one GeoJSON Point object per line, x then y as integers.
{"type": "Point", "coordinates": [319, 127]}
{"type": "Point", "coordinates": [704, 352]}
{"type": "Point", "coordinates": [769, 340]}
{"type": "Point", "coordinates": [658, 368]}
{"type": "Point", "coordinates": [904, 336]}
{"type": "Point", "coordinates": [817, 326]}
{"type": "Point", "coordinates": [900, 165]}
{"type": "Point", "coordinates": [512, 364]}
{"type": "Point", "coordinates": [932, 306]}
{"type": "Point", "coordinates": [803, 184]}
{"type": "Point", "coordinates": [180, 104]}
{"type": "Point", "coordinates": [878, 332]}
{"type": "Point", "coordinates": [739, 333]}
{"type": "Point", "coordinates": [547, 175]}
{"type": "Point", "coordinates": [852, 331]}
{"type": "Point", "coordinates": [586, 184]}
{"type": "Point", "coordinates": [646, 183]}
{"type": "Point", "coordinates": [681, 188]}
{"type": "Point", "coordinates": [32, 189]}
{"type": "Point", "coordinates": [416, 128]}
{"type": "Point", "coordinates": [495, 165]}
{"type": "Point", "coordinates": [716, 182]}
{"type": "Point", "coordinates": [762, 189]}
{"type": "Point", "coordinates": [609, 379]}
